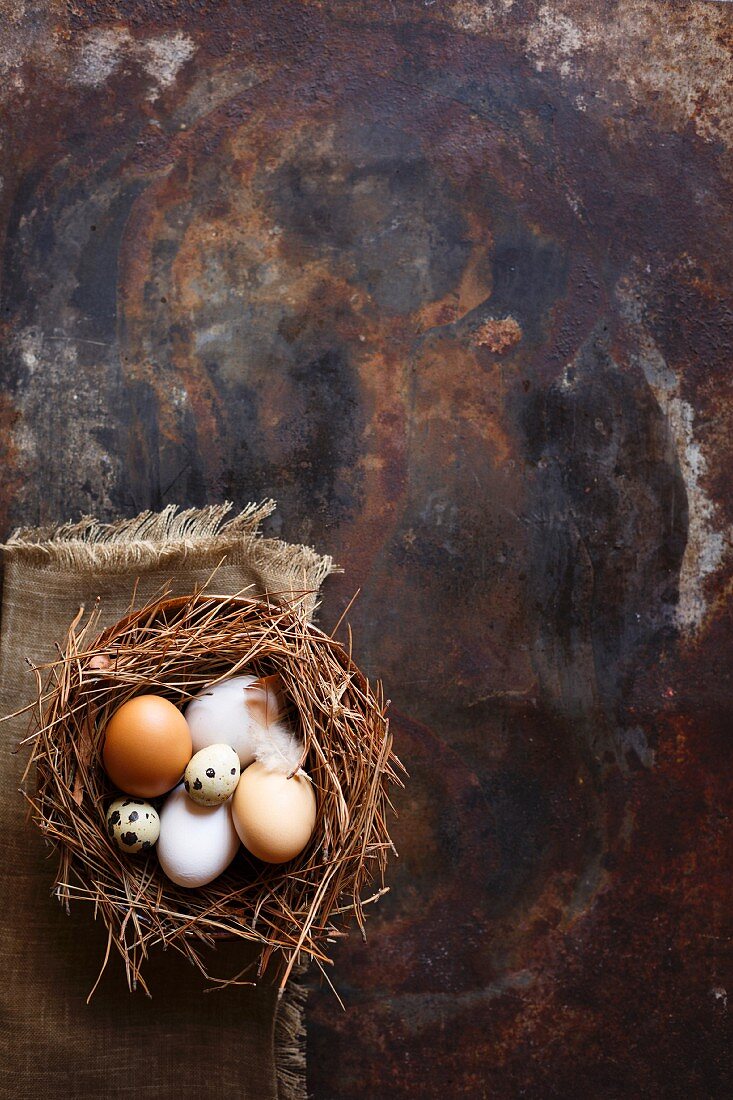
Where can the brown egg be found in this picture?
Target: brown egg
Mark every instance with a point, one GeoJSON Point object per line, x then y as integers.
{"type": "Point", "coordinates": [147, 744]}
{"type": "Point", "coordinates": [273, 815]}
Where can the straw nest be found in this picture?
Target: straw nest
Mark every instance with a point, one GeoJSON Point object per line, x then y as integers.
{"type": "Point", "coordinates": [174, 647]}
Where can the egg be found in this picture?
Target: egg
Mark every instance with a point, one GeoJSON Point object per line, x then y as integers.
{"type": "Point", "coordinates": [196, 843]}
{"type": "Point", "coordinates": [133, 824]}
{"type": "Point", "coordinates": [273, 815]}
{"type": "Point", "coordinates": [147, 744]}
{"type": "Point", "coordinates": [232, 713]}
{"type": "Point", "coordinates": [212, 775]}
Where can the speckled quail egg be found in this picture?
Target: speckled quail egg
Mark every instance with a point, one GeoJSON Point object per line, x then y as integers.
{"type": "Point", "coordinates": [133, 824]}
{"type": "Point", "coordinates": [212, 775]}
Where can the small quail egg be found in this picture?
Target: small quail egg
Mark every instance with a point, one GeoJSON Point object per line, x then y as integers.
{"type": "Point", "coordinates": [133, 824]}
{"type": "Point", "coordinates": [212, 775]}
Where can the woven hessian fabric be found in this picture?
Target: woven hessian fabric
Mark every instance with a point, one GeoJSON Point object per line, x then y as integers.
{"type": "Point", "coordinates": [183, 1042]}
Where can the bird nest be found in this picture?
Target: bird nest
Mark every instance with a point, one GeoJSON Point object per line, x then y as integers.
{"type": "Point", "coordinates": [175, 647]}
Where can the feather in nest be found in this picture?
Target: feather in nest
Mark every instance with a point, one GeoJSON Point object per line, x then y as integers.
{"type": "Point", "coordinates": [276, 746]}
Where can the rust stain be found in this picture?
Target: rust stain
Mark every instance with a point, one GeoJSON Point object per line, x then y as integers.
{"type": "Point", "coordinates": [10, 476]}
{"type": "Point", "coordinates": [498, 336]}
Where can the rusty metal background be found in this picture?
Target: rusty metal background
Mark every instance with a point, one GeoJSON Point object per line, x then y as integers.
{"type": "Point", "coordinates": [451, 281]}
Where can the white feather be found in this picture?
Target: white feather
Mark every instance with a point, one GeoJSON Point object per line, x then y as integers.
{"type": "Point", "coordinates": [276, 747]}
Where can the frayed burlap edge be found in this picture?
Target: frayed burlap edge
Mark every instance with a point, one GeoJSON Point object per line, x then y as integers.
{"type": "Point", "coordinates": [144, 541]}
{"type": "Point", "coordinates": [147, 529]}
{"type": "Point", "coordinates": [290, 1038]}
{"type": "Point", "coordinates": [155, 539]}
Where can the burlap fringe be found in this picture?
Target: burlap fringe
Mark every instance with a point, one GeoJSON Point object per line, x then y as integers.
{"type": "Point", "coordinates": [285, 555]}
{"type": "Point", "coordinates": [143, 541]}
{"type": "Point", "coordinates": [154, 539]}
{"type": "Point", "coordinates": [290, 1036]}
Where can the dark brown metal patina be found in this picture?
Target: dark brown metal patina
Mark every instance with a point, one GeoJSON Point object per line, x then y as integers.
{"type": "Point", "coordinates": [452, 283]}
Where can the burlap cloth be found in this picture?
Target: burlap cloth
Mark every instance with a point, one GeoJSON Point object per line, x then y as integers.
{"type": "Point", "coordinates": [183, 1043]}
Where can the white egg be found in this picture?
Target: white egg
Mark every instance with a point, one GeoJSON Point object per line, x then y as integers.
{"type": "Point", "coordinates": [220, 715]}
{"type": "Point", "coordinates": [133, 824]}
{"type": "Point", "coordinates": [212, 775]}
{"type": "Point", "coordinates": [196, 843]}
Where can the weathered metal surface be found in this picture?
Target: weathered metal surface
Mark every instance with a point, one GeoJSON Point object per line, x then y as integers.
{"type": "Point", "coordinates": [452, 283]}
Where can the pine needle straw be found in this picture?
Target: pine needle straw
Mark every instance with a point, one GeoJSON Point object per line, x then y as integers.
{"type": "Point", "coordinates": [175, 647]}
